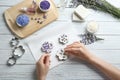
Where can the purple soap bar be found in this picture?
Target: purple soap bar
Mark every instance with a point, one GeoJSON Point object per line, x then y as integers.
{"type": "Point", "coordinates": [22, 20]}
{"type": "Point", "coordinates": [44, 5]}
{"type": "Point", "coordinates": [47, 47]}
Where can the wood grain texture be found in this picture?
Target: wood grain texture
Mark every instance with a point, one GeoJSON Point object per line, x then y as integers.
{"type": "Point", "coordinates": [109, 49]}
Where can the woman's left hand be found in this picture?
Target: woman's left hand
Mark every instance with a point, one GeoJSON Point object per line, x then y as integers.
{"type": "Point", "coordinates": [43, 66]}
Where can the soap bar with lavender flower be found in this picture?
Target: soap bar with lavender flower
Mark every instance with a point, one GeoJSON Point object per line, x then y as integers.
{"type": "Point", "coordinates": [22, 20]}
{"type": "Point", "coordinates": [44, 5]}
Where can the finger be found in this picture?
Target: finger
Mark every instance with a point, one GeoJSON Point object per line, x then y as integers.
{"type": "Point", "coordinates": [68, 53]}
{"type": "Point", "coordinates": [81, 43]}
{"type": "Point", "coordinates": [78, 42]}
{"type": "Point", "coordinates": [71, 50]}
{"type": "Point", "coordinates": [75, 43]}
{"type": "Point", "coordinates": [73, 46]}
{"type": "Point", "coordinates": [45, 58]}
{"type": "Point", "coordinates": [47, 61]}
{"type": "Point", "coordinates": [42, 58]}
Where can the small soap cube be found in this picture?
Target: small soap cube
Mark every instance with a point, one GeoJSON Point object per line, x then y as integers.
{"type": "Point", "coordinates": [82, 12]}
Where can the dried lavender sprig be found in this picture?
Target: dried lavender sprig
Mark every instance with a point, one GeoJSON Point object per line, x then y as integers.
{"type": "Point", "coordinates": [89, 38]}
{"type": "Point", "coordinates": [111, 9]}
{"type": "Point", "coordinates": [101, 5]}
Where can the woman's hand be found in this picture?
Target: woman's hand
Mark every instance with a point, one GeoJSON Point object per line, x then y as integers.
{"type": "Point", "coordinates": [43, 66]}
{"type": "Point", "coordinates": [78, 49]}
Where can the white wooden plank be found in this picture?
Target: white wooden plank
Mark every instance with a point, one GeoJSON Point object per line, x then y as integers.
{"type": "Point", "coordinates": [111, 56]}
{"type": "Point", "coordinates": [12, 3]}
{"type": "Point", "coordinates": [76, 72]}
{"type": "Point", "coordinates": [3, 26]}
{"type": "Point", "coordinates": [26, 59]}
{"type": "Point", "coordinates": [4, 42]}
{"type": "Point", "coordinates": [18, 72]}
{"type": "Point", "coordinates": [95, 15]}
{"type": "Point", "coordinates": [105, 27]}
{"type": "Point", "coordinates": [62, 72]}
{"type": "Point", "coordinates": [110, 42]}
{"type": "Point", "coordinates": [67, 13]}
{"type": "Point", "coordinates": [9, 2]}
{"type": "Point", "coordinates": [79, 72]}
{"type": "Point", "coordinates": [114, 3]}
{"type": "Point", "coordinates": [109, 50]}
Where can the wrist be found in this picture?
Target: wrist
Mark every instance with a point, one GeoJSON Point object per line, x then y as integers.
{"type": "Point", "coordinates": [92, 58]}
{"type": "Point", "coordinates": [41, 78]}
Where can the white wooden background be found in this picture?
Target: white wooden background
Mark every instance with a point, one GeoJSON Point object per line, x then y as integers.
{"type": "Point", "coordinates": [109, 49]}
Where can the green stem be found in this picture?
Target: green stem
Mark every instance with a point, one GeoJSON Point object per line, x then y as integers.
{"type": "Point", "coordinates": [107, 7]}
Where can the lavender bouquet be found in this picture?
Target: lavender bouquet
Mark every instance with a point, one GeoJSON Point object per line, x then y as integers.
{"type": "Point", "coordinates": [101, 5]}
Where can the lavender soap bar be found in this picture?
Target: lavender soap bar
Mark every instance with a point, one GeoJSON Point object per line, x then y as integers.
{"type": "Point", "coordinates": [44, 5]}
{"type": "Point", "coordinates": [22, 20]}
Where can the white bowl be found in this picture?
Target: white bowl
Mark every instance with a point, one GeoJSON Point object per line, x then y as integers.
{"type": "Point", "coordinates": [92, 27]}
{"type": "Point", "coordinates": [44, 10]}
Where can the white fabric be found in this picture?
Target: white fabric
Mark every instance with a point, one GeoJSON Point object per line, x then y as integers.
{"type": "Point", "coordinates": [52, 35]}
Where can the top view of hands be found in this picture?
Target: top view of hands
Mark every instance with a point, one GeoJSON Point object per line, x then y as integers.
{"type": "Point", "coordinates": [78, 50]}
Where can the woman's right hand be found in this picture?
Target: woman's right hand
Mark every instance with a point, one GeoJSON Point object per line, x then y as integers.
{"type": "Point", "coordinates": [78, 49]}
